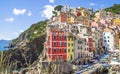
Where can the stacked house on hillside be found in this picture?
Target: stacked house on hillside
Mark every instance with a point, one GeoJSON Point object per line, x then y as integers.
{"type": "Point", "coordinates": [56, 43]}
{"type": "Point", "coordinates": [75, 35]}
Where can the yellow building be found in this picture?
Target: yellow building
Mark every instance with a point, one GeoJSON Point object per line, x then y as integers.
{"type": "Point", "coordinates": [70, 19]}
{"type": "Point", "coordinates": [116, 22]}
{"type": "Point", "coordinates": [70, 48]}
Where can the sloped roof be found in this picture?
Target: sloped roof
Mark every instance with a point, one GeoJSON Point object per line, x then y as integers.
{"type": "Point", "coordinates": [107, 30]}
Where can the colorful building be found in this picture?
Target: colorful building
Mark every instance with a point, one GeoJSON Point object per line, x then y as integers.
{"type": "Point", "coordinates": [70, 18]}
{"type": "Point", "coordinates": [90, 42]}
{"type": "Point", "coordinates": [96, 39]}
{"type": "Point", "coordinates": [56, 44]}
{"type": "Point", "coordinates": [63, 17]}
{"type": "Point", "coordinates": [108, 40]}
{"type": "Point", "coordinates": [116, 22]}
{"type": "Point", "coordinates": [81, 50]}
{"type": "Point", "coordinates": [70, 48]}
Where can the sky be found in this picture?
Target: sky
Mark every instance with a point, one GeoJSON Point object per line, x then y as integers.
{"type": "Point", "coordinates": [18, 15]}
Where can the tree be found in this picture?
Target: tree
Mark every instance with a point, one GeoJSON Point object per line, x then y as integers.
{"type": "Point", "coordinates": [56, 9]}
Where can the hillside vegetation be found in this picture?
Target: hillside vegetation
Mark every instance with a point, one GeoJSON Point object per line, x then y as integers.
{"type": "Point", "coordinates": [115, 9]}
{"type": "Point", "coordinates": [36, 30]}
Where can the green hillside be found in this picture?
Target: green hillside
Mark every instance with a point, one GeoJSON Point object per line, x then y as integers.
{"type": "Point", "coordinates": [33, 32]}
{"type": "Point", "coordinates": [115, 9]}
{"type": "Point", "coordinates": [36, 30]}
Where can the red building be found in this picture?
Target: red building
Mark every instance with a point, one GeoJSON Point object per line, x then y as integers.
{"type": "Point", "coordinates": [56, 44]}
{"type": "Point", "coordinates": [91, 46]}
{"type": "Point", "coordinates": [63, 17]}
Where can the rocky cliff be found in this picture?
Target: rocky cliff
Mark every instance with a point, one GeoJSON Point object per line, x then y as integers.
{"type": "Point", "coordinates": [25, 49]}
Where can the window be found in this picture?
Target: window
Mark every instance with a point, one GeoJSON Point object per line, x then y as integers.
{"type": "Point", "coordinates": [108, 37]}
{"type": "Point", "coordinates": [65, 37]}
{"type": "Point", "coordinates": [54, 50]}
{"type": "Point", "coordinates": [104, 40]}
{"type": "Point", "coordinates": [60, 43]}
{"type": "Point", "coordinates": [68, 50]}
{"type": "Point", "coordinates": [79, 41]}
{"type": "Point", "coordinates": [54, 37]}
{"type": "Point", "coordinates": [65, 44]}
{"type": "Point", "coordinates": [65, 50]}
{"type": "Point", "coordinates": [60, 37]}
{"type": "Point", "coordinates": [108, 40]}
{"type": "Point", "coordinates": [54, 44]}
{"type": "Point", "coordinates": [60, 50]}
{"type": "Point", "coordinates": [104, 37]}
{"type": "Point", "coordinates": [71, 44]}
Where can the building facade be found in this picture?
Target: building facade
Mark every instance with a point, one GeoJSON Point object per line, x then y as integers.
{"type": "Point", "coordinates": [81, 50]}
{"type": "Point", "coordinates": [70, 48]}
{"type": "Point", "coordinates": [56, 44]}
{"type": "Point", "coordinates": [108, 40]}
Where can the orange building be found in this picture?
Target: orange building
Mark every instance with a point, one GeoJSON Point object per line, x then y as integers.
{"type": "Point", "coordinates": [63, 17]}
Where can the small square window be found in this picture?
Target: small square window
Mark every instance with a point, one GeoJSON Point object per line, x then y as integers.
{"type": "Point", "coordinates": [71, 44]}
{"type": "Point", "coordinates": [65, 37]}
{"type": "Point", "coordinates": [68, 50]}
{"type": "Point", "coordinates": [54, 50]}
{"type": "Point", "coordinates": [65, 44]}
{"type": "Point", "coordinates": [60, 37]}
{"type": "Point", "coordinates": [65, 50]}
{"type": "Point", "coordinates": [104, 40]}
{"type": "Point", "coordinates": [60, 43]}
{"type": "Point", "coordinates": [54, 37]}
{"type": "Point", "coordinates": [54, 44]}
{"type": "Point", "coordinates": [104, 37]}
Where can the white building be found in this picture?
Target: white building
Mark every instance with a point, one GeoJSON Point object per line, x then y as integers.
{"type": "Point", "coordinates": [108, 39]}
{"type": "Point", "coordinates": [81, 50]}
